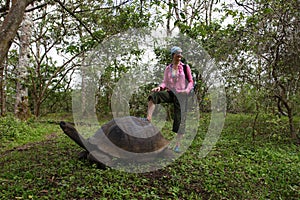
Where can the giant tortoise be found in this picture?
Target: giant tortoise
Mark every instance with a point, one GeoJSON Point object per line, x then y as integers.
{"type": "Point", "coordinates": [127, 139]}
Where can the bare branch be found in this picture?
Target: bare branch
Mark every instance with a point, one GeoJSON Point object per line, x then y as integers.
{"type": "Point", "coordinates": [73, 14]}
{"type": "Point", "coordinates": [37, 7]}
{"type": "Point", "coordinates": [5, 8]}
{"type": "Point", "coordinates": [246, 7]}
{"type": "Point", "coordinates": [59, 70]}
{"type": "Point", "coordinates": [104, 8]}
{"type": "Point", "coordinates": [79, 20]}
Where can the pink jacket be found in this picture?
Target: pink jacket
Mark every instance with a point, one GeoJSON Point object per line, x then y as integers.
{"type": "Point", "coordinates": [176, 82]}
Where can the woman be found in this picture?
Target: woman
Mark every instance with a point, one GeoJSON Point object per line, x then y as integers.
{"type": "Point", "coordinates": [173, 89]}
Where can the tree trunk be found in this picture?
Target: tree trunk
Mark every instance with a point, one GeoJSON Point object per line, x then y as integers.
{"type": "Point", "coordinates": [291, 119]}
{"type": "Point", "coordinates": [83, 91]}
{"type": "Point", "coordinates": [83, 70]}
{"type": "Point", "coordinates": [169, 31]}
{"type": "Point", "coordinates": [291, 122]}
{"type": "Point", "coordinates": [22, 110]}
{"type": "Point", "coordinates": [10, 26]}
{"type": "Point", "coordinates": [37, 107]}
{"type": "Point", "coordinates": [2, 88]}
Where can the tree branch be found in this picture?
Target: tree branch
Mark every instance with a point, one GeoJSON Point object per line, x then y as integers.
{"type": "Point", "coordinates": [79, 20]}
{"type": "Point", "coordinates": [44, 93]}
{"type": "Point", "coordinates": [5, 8]}
{"type": "Point", "coordinates": [37, 7]}
{"type": "Point", "coordinates": [103, 8]}
{"type": "Point", "coordinates": [246, 7]}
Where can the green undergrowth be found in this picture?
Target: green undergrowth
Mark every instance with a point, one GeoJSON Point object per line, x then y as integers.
{"type": "Point", "coordinates": [15, 133]}
{"type": "Point", "coordinates": [240, 166]}
{"type": "Point", "coordinates": [56, 117]}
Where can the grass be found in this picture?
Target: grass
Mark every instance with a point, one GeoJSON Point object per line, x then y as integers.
{"type": "Point", "coordinates": [15, 133]}
{"type": "Point", "coordinates": [238, 167]}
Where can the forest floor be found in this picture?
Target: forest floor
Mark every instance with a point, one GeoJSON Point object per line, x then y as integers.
{"type": "Point", "coordinates": [244, 164]}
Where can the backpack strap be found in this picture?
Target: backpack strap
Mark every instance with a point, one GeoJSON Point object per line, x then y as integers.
{"type": "Point", "coordinates": [185, 71]}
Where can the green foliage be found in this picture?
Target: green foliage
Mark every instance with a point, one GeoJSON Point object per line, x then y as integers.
{"type": "Point", "coordinates": [138, 102]}
{"type": "Point", "coordinates": [57, 102]}
{"type": "Point", "coordinates": [104, 23]}
{"type": "Point", "coordinates": [14, 132]}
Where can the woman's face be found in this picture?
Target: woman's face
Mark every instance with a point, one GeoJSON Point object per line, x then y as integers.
{"type": "Point", "coordinates": [178, 55]}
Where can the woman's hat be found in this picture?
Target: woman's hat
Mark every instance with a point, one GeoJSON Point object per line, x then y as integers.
{"type": "Point", "coordinates": [174, 50]}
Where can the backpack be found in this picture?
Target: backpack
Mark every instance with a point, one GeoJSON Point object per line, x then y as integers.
{"type": "Point", "coordinates": [186, 77]}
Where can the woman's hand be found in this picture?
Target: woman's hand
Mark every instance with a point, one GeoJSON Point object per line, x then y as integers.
{"type": "Point", "coordinates": [156, 89]}
{"type": "Point", "coordinates": [183, 91]}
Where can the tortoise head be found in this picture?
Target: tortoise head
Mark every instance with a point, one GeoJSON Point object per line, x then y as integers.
{"type": "Point", "coordinates": [70, 131]}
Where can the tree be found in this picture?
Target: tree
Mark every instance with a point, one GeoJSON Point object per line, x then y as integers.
{"type": "Point", "coordinates": [261, 49]}
{"type": "Point", "coordinates": [96, 24]}
{"type": "Point", "coordinates": [22, 110]}
{"type": "Point", "coordinates": [59, 32]}
{"type": "Point", "coordinates": [10, 25]}
{"type": "Point", "coordinates": [279, 27]}
{"type": "Point", "coordinates": [184, 14]}
{"type": "Point", "coordinates": [8, 31]}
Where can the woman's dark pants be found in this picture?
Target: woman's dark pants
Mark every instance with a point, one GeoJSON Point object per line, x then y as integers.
{"type": "Point", "coordinates": [179, 102]}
